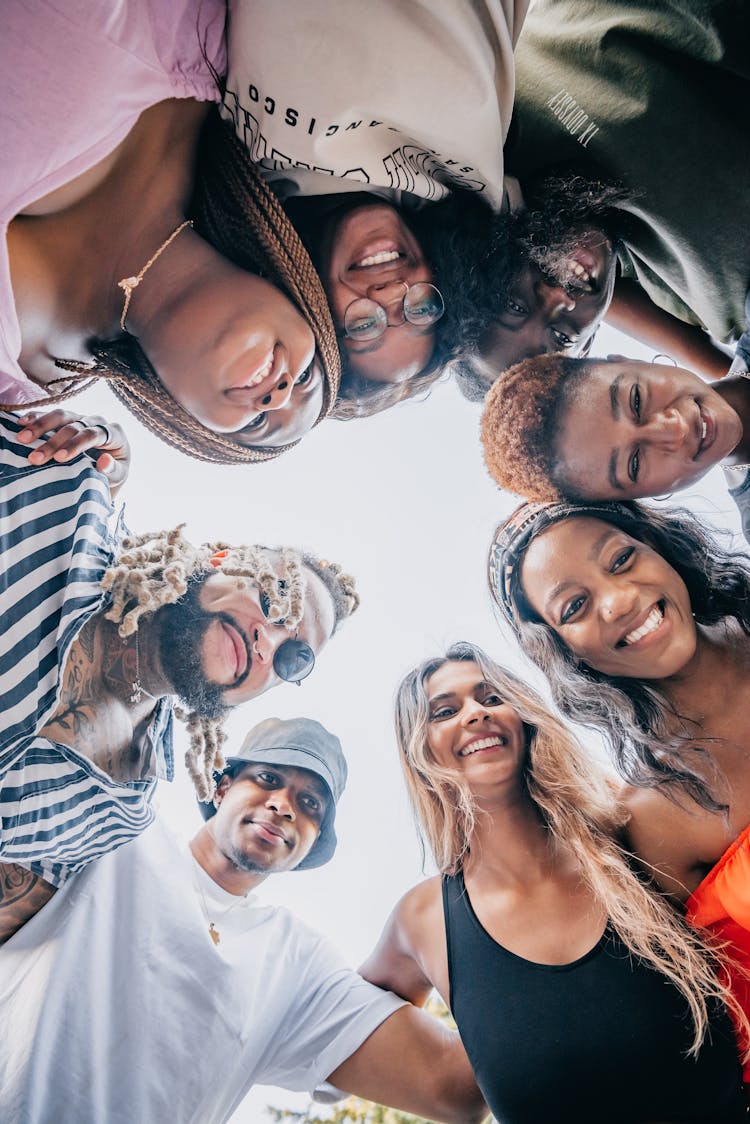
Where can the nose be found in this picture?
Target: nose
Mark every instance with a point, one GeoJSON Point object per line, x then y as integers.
{"type": "Point", "coordinates": [553, 299]}
{"type": "Point", "coordinates": [279, 394]}
{"type": "Point", "coordinates": [280, 802]}
{"type": "Point", "coordinates": [473, 712]}
{"type": "Point", "coordinates": [617, 600]}
{"type": "Point", "coordinates": [390, 294]}
{"type": "Point", "coordinates": [667, 430]}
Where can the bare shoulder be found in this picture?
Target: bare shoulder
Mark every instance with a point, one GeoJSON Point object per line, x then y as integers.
{"type": "Point", "coordinates": [411, 950]}
{"type": "Point", "coordinates": [674, 839]}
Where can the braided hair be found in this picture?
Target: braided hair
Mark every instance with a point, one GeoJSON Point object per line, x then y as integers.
{"type": "Point", "coordinates": [240, 217]}
{"type": "Point", "coordinates": [153, 570]}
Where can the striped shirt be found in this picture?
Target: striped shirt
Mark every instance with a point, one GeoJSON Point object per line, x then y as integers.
{"type": "Point", "coordinates": [58, 810]}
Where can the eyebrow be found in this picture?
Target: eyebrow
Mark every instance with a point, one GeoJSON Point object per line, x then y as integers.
{"type": "Point", "coordinates": [614, 402]}
{"type": "Point", "coordinates": [592, 556]}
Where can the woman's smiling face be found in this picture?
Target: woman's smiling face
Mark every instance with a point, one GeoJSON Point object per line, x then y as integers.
{"type": "Point", "coordinates": [612, 600]}
{"type": "Point", "coordinates": [637, 429]}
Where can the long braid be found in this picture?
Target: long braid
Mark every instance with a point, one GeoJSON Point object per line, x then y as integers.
{"type": "Point", "coordinates": [240, 216]}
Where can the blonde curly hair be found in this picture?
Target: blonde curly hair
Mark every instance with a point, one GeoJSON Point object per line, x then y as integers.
{"type": "Point", "coordinates": [153, 570]}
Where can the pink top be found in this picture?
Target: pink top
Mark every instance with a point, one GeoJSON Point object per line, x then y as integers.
{"type": "Point", "coordinates": [77, 76]}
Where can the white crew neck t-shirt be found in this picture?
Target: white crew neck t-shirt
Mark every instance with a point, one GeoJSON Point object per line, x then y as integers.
{"type": "Point", "coordinates": [124, 1011]}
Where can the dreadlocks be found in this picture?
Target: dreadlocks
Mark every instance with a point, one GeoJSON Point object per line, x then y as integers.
{"type": "Point", "coordinates": [153, 570]}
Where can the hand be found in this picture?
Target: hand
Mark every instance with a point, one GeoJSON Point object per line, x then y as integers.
{"type": "Point", "coordinates": [71, 434]}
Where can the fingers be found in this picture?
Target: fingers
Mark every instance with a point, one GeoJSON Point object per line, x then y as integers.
{"type": "Point", "coordinates": [64, 435]}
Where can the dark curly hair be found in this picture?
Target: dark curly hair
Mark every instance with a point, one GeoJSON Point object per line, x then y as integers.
{"type": "Point", "coordinates": [637, 718]}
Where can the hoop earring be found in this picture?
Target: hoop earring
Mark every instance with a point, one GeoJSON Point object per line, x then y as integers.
{"type": "Point", "coordinates": [663, 355]}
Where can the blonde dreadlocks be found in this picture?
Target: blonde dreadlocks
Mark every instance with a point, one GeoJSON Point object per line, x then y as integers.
{"type": "Point", "coordinates": [153, 570]}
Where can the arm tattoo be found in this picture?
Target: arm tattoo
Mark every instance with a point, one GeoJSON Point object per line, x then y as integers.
{"type": "Point", "coordinates": [22, 894]}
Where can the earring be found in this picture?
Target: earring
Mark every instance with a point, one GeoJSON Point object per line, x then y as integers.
{"type": "Point", "coordinates": [663, 355]}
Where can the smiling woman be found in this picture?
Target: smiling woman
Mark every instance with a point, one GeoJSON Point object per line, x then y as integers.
{"type": "Point", "coordinates": [537, 914]}
{"type": "Point", "coordinates": [649, 428]}
{"type": "Point", "coordinates": [167, 306]}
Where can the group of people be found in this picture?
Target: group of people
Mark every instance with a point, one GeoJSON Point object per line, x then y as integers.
{"type": "Point", "coordinates": [250, 217]}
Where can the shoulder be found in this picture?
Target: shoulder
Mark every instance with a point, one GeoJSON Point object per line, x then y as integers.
{"type": "Point", "coordinates": [671, 837]}
{"type": "Point", "coordinates": [418, 910]}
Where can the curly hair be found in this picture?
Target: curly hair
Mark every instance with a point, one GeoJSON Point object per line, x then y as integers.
{"type": "Point", "coordinates": [241, 218]}
{"type": "Point", "coordinates": [152, 570]}
{"type": "Point", "coordinates": [521, 423]}
{"type": "Point", "coordinates": [577, 805]}
{"type": "Point", "coordinates": [652, 744]}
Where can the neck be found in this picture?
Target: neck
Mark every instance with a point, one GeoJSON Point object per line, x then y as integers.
{"type": "Point", "coordinates": [220, 868]}
{"type": "Point", "coordinates": [510, 844]}
{"type": "Point", "coordinates": [700, 690]}
{"type": "Point", "coordinates": [735, 391]}
{"type": "Point", "coordinates": [136, 657]}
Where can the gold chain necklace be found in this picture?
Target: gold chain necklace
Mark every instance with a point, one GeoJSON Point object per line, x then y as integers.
{"type": "Point", "coordinates": [128, 284]}
{"type": "Point", "coordinates": [212, 930]}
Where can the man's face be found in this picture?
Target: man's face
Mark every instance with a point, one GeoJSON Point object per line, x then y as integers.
{"type": "Point", "coordinates": [371, 252]}
{"type": "Point", "coordinates": [217, 645]}
{"type": "Point", "coordinates": [559, 309]}
{"type": "Point", "coordinates": [269, 816]}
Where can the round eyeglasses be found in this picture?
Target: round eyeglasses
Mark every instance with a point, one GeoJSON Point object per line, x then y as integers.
{"type": "Point", "coordinates": [365, 319]}
{"type": "Point", "coordinates": [294, 659]}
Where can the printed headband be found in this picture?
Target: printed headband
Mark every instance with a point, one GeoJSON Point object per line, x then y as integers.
{"type": "Point", "coordinates": [520, 529]}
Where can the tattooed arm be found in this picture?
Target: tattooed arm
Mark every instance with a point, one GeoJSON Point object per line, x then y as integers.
{"type": "Point", "coordinates": [22, 894]}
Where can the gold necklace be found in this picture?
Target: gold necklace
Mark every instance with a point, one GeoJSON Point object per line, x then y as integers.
{"type": "Point", "coordinates": [212, 930]}
{"type": "Point", "coordinates": [128, 284]}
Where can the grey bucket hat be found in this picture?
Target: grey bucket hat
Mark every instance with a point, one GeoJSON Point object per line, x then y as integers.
{"type": "Point", "coordinates": [305, 744]}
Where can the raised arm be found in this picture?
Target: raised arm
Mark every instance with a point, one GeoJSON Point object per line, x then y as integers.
{"type": "Point", "coordinates": [413, 1063]}
{"type": "Point", "coordinates": [635, 314]}
{"type": "Point", "coordinates": [22, 894]}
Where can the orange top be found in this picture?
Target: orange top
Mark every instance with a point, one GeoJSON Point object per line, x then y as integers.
{"type": "Point", "coordinates": [721, 903]}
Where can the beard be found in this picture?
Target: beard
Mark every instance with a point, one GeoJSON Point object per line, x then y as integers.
{"type": "Point", "coordinates": [565, 212]}
{"type": "Point", "coordinates": [181, 629]}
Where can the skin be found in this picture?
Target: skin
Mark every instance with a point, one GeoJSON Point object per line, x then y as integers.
{"type": "Point", "coordinates": [267, 820]}
{"type": "Point", "coordinates": [70, 435]}
{"type": "Point", "coordinates": [644, 426]}
{"type": "Point", "coordinates": [542, 315]}
{"type": "Point", "coordinates": [96, 714]}
{"type": "Point", "coordinates": [231, 348]}
{"type": "Point", "coordinates": [594, 585]}
{"type": "Point", "coordinates": [697, 668]}
{"type": "Point", "coordinates": [404, 349]}
{"type": "Point", "coordinates": [525, 890]}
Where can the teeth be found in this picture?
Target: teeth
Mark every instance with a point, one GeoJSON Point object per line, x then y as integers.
{"type": "Point", "coordinates": [579, 271]}
{"type": "Point", "coordinates": [651, 623]}
{"type": "Point", "coordinates": [483, 743]}
{"type": "Point", "coordinates": [704, 427]}
{"type": "Point", "coordinates": [259, 375]}
{"type": "Point", "coordinates": [381, 258]}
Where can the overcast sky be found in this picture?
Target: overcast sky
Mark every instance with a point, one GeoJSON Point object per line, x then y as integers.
{"type": "Point", "coordinates": [404, 502]}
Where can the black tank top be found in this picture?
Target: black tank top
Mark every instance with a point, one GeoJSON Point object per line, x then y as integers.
{"type": "Point", "coordinates": [599, 1041]}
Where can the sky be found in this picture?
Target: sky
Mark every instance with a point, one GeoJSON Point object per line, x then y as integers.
{"type": "Point", "coordinates": [404, 502]}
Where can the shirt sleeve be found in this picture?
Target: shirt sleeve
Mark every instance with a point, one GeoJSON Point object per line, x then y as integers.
{"type": "Point", "coordinates": [334, 1011]}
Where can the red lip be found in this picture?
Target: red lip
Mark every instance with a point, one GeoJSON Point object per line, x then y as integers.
{"type": "Point", "coordinates": [269, 832]}
{"type": "Point", "coordinates": [238, 650]}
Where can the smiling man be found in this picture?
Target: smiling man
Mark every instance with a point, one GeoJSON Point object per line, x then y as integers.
{"type": "Point", "coordinates": [101, 634]}
{"type": "Point", "coordinates": [156, 985]}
